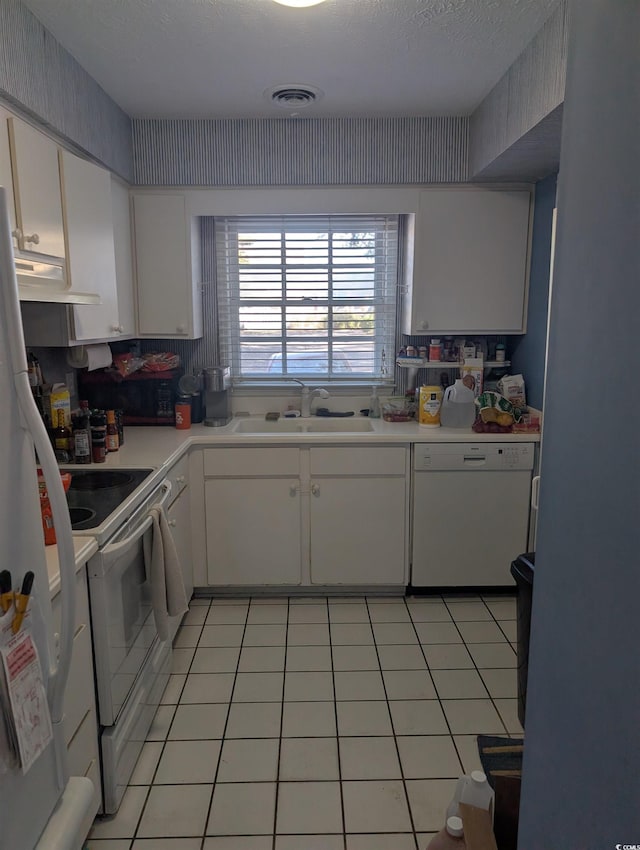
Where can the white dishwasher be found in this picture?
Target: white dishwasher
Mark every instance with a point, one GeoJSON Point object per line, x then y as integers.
{"type": "Point", "coordinates": [470, 512]}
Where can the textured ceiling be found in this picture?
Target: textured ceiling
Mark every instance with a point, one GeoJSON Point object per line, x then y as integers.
{"type": "Point", "coordinates": [215, 58]}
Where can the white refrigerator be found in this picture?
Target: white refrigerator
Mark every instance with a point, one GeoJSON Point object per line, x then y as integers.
{"type": "Point", "coordinates": [43, 808]}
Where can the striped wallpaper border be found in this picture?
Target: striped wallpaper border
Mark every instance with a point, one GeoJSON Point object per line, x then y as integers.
{"type": "Point", "coordinates": [43, 80]}
{"type": "Point", "coordinates": [300, 152]}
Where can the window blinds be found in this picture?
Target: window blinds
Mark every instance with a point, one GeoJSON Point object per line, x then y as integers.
{"type": "Point", "coordinates": [310, 297]}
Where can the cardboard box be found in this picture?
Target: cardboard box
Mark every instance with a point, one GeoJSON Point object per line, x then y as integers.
{"type": "Point", "coordinates": [478, 829]}
{"type": "Point", "coordinates": [58, 398]}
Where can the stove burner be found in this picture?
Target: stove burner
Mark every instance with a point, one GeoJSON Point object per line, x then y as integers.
{"type": "Point", "coordinates": [100, 480]}
{"type": "Point", "coordinates": [96, 493]}
{"type": "Point", "coordinates": [80, 515]}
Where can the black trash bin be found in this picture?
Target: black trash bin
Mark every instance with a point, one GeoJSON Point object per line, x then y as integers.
{"type": "Point", "coordinates": [522, 569]}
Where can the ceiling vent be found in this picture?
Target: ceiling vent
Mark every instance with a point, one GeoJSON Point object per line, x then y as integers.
{"type": "Point", "coordinates": [293, 96]}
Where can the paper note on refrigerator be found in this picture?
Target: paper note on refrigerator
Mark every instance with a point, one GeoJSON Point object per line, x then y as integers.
{"type": "Point", "coordinates": [24, 686]}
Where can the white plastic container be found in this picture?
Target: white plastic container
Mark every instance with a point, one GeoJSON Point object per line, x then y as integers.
{"type": "Point", "coordinates": [458, 406]}
{"type": "Point", "coordinates": [473, 790]}
{"type": "Point", "coordinates": [450, 837]}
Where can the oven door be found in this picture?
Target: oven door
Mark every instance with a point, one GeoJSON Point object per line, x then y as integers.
{"type": "Point", "coordinates": [123, 624]}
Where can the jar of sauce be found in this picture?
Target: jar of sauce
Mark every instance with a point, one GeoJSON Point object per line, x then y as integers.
{"type": "Point", "coordinates": [98, 436]}
{"type": "Point", "coordinates": [183, 412]}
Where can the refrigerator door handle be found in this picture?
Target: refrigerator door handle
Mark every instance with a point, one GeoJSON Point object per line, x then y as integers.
{"type": "Point", "coordinates": [535, 492]}
{"type": "Point", "coordinates": [64, 538]}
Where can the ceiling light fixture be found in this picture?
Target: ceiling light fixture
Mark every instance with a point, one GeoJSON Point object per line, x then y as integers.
{"type": "Point", "coordinates": [299, 3]}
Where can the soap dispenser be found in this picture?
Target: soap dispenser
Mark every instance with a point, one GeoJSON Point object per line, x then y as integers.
{"type": "Point", "coordinates": [374, 404]}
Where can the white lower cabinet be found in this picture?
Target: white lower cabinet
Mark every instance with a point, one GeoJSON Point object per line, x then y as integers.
{"type": "Point", "coordinates": [253, 531]}
{"type": "Point", "coordinates": [80, 719]}
{"type": "Point", "coordinates": [306, 516]}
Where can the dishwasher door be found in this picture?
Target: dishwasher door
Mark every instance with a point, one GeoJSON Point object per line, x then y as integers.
{"type": "Point", "coordinates": [470, 513]}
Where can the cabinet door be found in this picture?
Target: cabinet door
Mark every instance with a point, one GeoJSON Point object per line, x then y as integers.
{"type": "Point", "coordinates": [36, 184]}
{"type": "Point", "coordinates": [164, 279]}
{"type": "Point", "coordinates": [91, 264]}
{"type": "Point", "coordinates": [358, 531]}
{"type": "Point", "coordinates": [121, 214]}
{"type": "Point", "coordinates": [470, 261]}
{"type": "Point", "coordinates": [253, 531]}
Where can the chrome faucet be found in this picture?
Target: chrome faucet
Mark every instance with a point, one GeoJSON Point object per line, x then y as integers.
{"type": "Point", "coordinates": [307, 396]}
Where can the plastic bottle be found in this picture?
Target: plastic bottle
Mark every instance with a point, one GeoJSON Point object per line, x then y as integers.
{"type": "Point", "coordinates": [374, 404]}
{"type": "Point", "coordinates": [474, 790]}
{"type": "Point", "coordinates": [183, 412]}
{"type": "Point", "coordinates": [450, 837]}
{"type": "Point", "coordinates": [113, 442]}
{"type": "Point", "coordinates": [458, 406]}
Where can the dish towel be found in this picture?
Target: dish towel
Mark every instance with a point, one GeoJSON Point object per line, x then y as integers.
{"type": "Point", "coordinates": [168, 596]}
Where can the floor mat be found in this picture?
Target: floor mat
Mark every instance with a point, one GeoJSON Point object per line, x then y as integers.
{"type": "Point", "coordinates": [500, 756]}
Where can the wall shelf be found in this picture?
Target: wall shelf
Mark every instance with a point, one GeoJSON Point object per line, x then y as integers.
{"type": "Point", "coordinates": [419, 363]}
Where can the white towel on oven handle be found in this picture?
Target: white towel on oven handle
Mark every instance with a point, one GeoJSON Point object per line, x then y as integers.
{"type": "Point", "coordinates": [168, 596]}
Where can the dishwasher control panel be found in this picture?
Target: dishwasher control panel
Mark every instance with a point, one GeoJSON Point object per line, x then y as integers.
{"type": "Point", "coordinates": [470, 456]}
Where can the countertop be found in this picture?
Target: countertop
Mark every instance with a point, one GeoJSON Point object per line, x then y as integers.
{"type": "Point", "coordinates": [84, 548]}
{"type": "Point", "coordinates": [159, 447]}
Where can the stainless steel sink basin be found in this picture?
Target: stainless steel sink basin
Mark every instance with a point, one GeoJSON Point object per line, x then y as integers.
{"type": "Point", "coordinates": [261, 426]}
{"type": "Point", "coordinates": [339, 425]}
{"type": "Point", "coordinates": [320, 425]}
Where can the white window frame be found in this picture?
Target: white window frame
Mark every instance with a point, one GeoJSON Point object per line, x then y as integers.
{"type": "Point", "coordinates": [385, 228]}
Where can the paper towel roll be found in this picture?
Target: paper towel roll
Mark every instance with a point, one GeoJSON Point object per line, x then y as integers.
{"type": "Point", "coordinates": [90, 356]}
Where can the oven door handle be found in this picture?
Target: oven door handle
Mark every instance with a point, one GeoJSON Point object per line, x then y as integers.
{"type": "Point", "coordinates": [145, 525]}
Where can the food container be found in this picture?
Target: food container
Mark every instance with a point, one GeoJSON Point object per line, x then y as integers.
{"type": "Point", "coordinates": [45, 506]}
{"type": "Point", "coordinates": [393, 411]}
{"type": "Point", "coordinates": [429, 406]}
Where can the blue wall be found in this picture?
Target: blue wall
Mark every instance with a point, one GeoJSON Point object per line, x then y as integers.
{"type": "Point", "coordinates": [581, 783]}
{"type": "Point", "coordinates": [529, 354]}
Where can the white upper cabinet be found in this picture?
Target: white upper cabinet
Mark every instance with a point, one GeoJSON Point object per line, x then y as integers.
{"type": "Point", "coordinates": [168, 267]}
{"type": "Point", "coordinates": [36, 185]}
{"type": "Point", "coordinates": [91, 266]}
{"type": "Point", "coordinates": [121, 213]}
{"type": "Point", "coordinates": [469, 268]}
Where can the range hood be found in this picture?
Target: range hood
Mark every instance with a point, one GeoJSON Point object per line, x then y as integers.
{"type": "Point", "coordinates": [44, 279]}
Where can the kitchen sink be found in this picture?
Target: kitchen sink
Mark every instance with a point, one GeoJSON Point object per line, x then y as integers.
{"type": "Point", "coordinates": [341, 425]}
{"type": "Point", "coordinates": [319, 425]}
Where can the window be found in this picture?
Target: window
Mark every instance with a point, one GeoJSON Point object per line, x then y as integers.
{"type": "Point", "coordinates": [309, 297]}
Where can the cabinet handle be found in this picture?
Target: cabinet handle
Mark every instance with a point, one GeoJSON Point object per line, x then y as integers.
{"type": "Point", "coordinates": [315, 489]}
{"type": "Point", "coordinates": [181, 329]}
{"type": "Point", "coordinates": [118, 329]}
{"type": "Point", "coordinates": [424, 325]}
{"type": "Point", "coordinates": [34, 238]}
{"type": "Point", "coordinates": [172, 523]}
{"type": "Point", "coordinates": [180, 479]}
{"type": "Point", "coordinates": [293, 490]}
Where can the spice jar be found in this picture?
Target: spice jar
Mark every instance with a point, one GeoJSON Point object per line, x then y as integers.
{"type": "Point", "coordinates": [434, 349]}
{"type": "Point", "coordinates": [98, 436]}
{"type": "Point", "coordinates": [183, 412]}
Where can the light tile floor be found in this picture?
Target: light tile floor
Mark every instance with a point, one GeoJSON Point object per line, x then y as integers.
{"type": "Point", "coordinates": [318, 724]}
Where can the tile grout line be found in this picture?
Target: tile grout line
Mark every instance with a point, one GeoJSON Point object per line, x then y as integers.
{"type": "Point", "coordinates": [337, 739]}
{"type": "Point", "coordinates": [284, 684]}
{"type": "Point", "coordinates": [224, 731]}
{"type": "Point", "coordinates": [393, 728]}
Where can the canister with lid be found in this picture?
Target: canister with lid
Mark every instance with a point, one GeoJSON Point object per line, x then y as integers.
{"type": "Point", "coordinates": [429, 407]}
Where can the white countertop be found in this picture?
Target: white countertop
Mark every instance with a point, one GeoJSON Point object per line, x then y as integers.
{"type": "Point", "coordinates": [159, 447]}
{"type": "Point", "coordinates": [84, 548]}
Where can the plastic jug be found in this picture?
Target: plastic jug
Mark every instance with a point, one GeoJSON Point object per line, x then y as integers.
{"type": "Point", "coordinates": [451, 837]}
{"type": "Point", "coordinates": [458, 406]}
{"type": "Point", "coordinates": [474, 790]}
